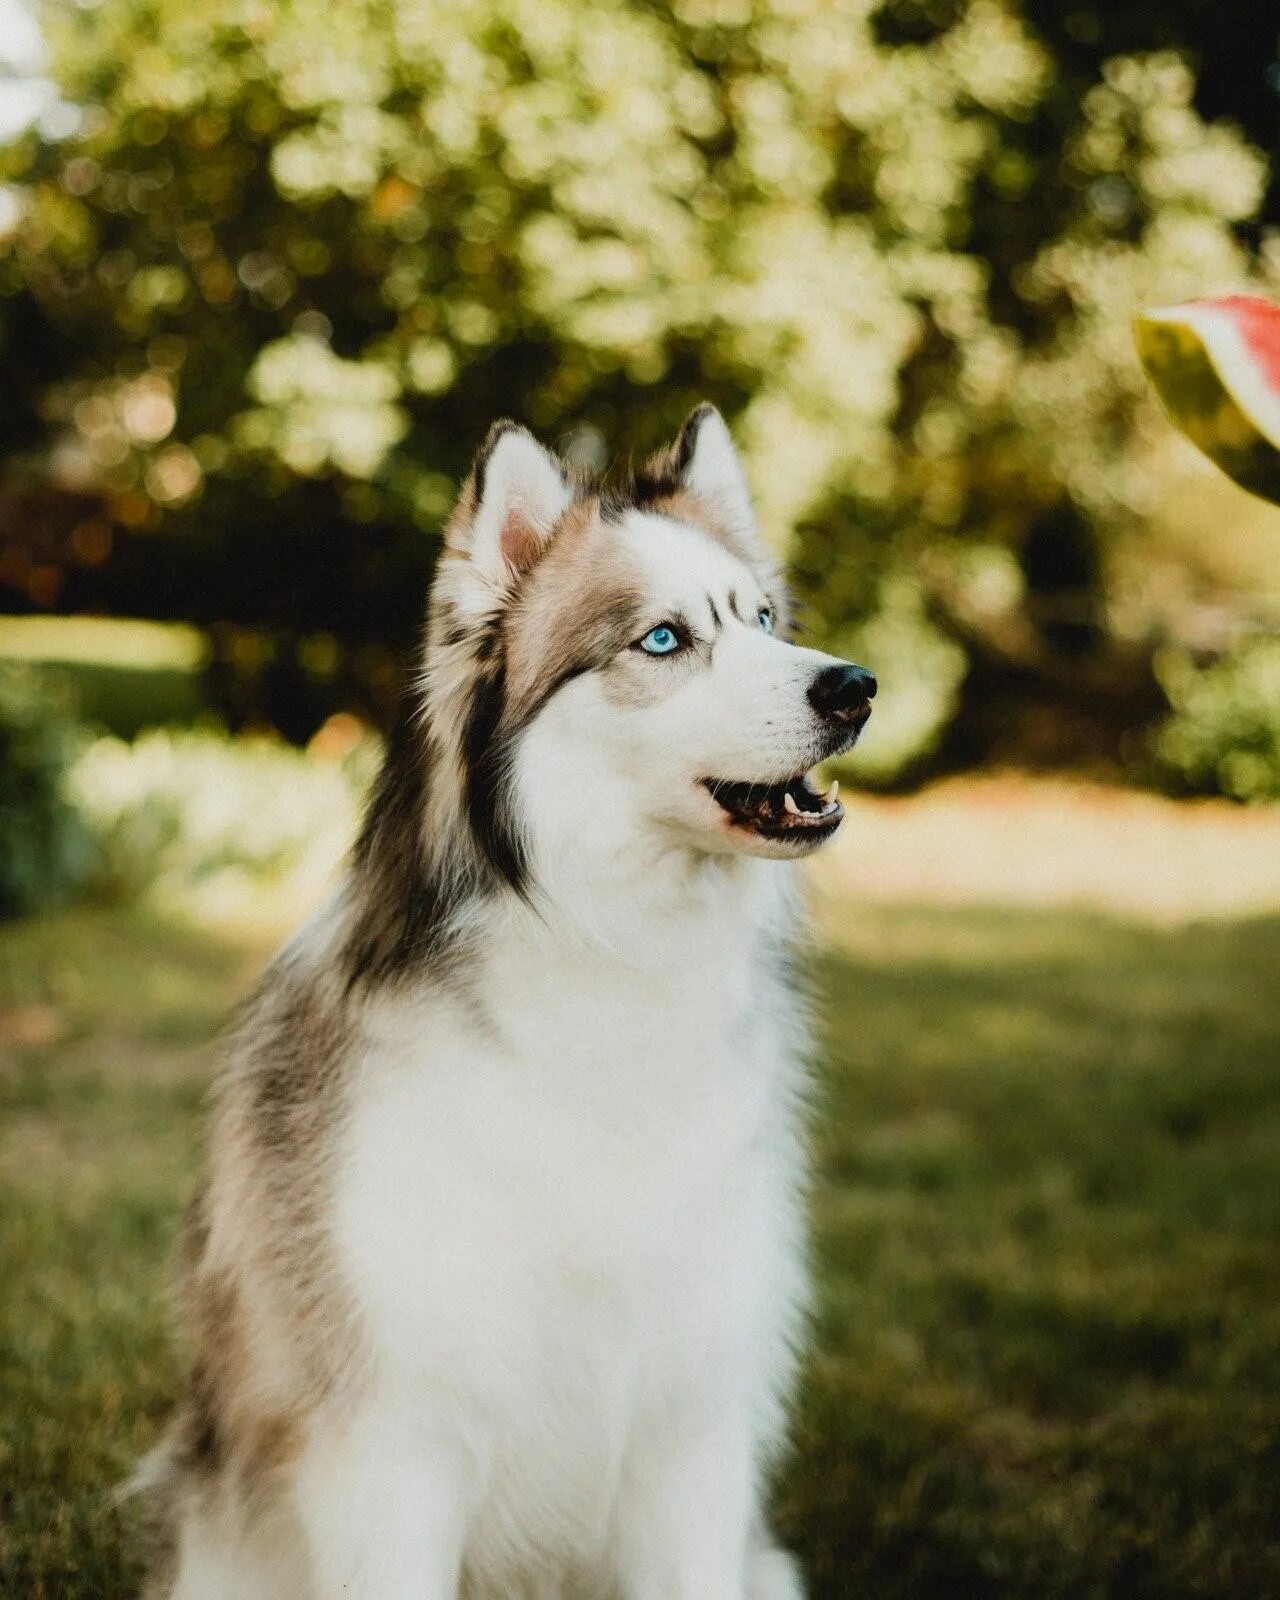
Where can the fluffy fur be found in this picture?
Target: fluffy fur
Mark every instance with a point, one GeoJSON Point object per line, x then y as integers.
{"type": "Point", "coordinates": [494, 1285]}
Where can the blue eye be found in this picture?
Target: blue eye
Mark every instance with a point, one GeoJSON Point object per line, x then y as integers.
{"type": "Point", "coordinates": [660, 641]}
{"type": "Point", "coordinates": [766, 618]}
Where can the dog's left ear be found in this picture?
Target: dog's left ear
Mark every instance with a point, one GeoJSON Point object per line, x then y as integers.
{"type": "Point", "coordinates": [708, 465]}
{"type": "Point", "coordinates": [518, 494]}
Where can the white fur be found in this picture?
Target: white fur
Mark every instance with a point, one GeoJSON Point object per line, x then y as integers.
{"type": "Point", "coordinates": [715, 473]}
{"type": "Point", "coordinates": [567, 1209]}
{"type": "Point", "coordinates": [572, 1226]}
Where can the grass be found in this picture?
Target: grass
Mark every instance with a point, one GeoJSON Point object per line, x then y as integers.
{"type": "Point", "coordinates": [101, 1086]}
{"type": "Point", "coordinates": [1048, 1352]}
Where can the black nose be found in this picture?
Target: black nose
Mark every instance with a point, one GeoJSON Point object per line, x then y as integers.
{"type": "Point", "coordinates": [842, 691]}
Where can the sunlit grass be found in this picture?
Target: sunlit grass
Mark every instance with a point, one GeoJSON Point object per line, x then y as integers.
{"type": "Point", "coordinates": [104, 641]}
{"type": "Point", "coordinates": [1048, 1336]}
{"type": "Point", "coordinates": [1006, 839]}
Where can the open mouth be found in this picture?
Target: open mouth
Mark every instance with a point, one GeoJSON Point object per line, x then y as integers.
{"type": "Point", "coordinates": [792, 810]}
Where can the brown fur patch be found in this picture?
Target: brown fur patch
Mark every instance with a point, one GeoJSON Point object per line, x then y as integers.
{"type": "Point", "coordinates": [577, 609]}
{"type": "Point", "coordinates": [229, 1428]}
{"type": "Point", "coordinates": [261, 1312]}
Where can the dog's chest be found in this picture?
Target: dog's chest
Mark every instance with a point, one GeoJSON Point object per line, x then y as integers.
{"type": "Point", "coordinates": [560, 1224]}
{"type": "Point", "coordinates": [593, 1152]}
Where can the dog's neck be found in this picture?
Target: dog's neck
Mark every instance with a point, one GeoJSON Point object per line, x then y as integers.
{"type": "Point", "coordinates": [678, 911]}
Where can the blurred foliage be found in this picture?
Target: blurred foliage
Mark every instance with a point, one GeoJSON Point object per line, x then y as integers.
{"type": "Point", "coordinates": [1223, 735]}
{"type": "Point", "coordinates": [122, 676]}
{"type": "Point", "coordinates": [45, 850]}
{"type": "Point", "coordinates": [925, 668]}
{"type": "Point", "coordinates": [182, 817]}
{"type": "Point", "coordinates": [261, 303]}
{"type": "Point", "coordinates": [192, 821]}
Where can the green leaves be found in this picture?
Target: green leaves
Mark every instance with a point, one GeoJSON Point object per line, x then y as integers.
{"type": "Point", "coordinates": [900, 246]}
{"type": "Point", "coordinates": [317, 411]}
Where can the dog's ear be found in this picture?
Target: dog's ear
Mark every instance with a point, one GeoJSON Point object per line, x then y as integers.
{"type": "Point", "coordinates": [707, 464]}
{"type": "Point", "coordinates": [517, 494]}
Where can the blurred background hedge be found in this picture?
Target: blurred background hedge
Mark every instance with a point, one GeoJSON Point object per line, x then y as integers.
{"type": "Point", "coordinates": [267, 271]}
{"type": "Point", "coordinates": [46, 851]}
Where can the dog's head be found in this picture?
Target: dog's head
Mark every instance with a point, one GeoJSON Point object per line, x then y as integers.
{"type": "Point", "coordinates": [612, 670]}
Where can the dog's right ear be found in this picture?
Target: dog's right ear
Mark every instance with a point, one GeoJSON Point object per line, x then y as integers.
{"type": "Point", "coordinates": [515, 496]}
{"type": "Point", "coordinates": [704, 461]}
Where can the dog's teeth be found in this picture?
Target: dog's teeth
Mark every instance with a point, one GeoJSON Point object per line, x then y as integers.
{"type": "Point", "coordinates": [789, 804]}
{"type": "Point", "coordinates": [833, 793]}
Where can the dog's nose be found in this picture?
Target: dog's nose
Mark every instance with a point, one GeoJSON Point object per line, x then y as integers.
{"type": "Point", "coordinates": [842, 691]}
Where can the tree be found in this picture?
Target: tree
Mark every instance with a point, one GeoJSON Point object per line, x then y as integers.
{"type": "Point", "coordinates": [263, 302]}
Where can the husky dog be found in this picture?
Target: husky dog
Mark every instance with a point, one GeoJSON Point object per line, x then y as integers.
{"type": "Point", "coordinates": [495, 1284]}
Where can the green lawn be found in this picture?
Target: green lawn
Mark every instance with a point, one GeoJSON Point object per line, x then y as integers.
{"type": "Point", "coordinates": [1048, 1227]}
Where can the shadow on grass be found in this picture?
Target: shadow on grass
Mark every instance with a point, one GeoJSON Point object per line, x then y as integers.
{"type": "Point", "coordinates": [1049, 1344]}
